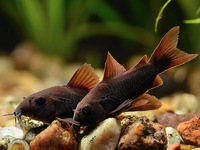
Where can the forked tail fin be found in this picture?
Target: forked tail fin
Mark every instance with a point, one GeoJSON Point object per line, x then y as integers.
{"type": "Point", "coordinates": [167, 55]}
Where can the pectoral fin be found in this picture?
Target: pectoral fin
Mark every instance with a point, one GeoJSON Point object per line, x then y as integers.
{"type": "Point", "coordinates": [69, 120]}
{"type": "Point", "coordinates": [121, 107]}
{"type": "Point", "coordinates": [145, 102]}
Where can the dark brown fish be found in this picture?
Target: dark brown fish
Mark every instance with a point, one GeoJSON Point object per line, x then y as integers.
{"type": "Point", "coordinates": [122, 90]}
{"type": "Point", "coordinates": [58, 101]}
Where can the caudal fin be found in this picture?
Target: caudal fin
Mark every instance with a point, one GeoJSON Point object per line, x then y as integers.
{"type": "Point", "coordinates": [167, 55]}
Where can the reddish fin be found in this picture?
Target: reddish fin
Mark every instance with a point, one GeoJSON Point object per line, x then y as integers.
{"type": "Point", "coordinates": [157, 82]}
{"type": "Point", "coordinates": [69, 120]}
{"type": "Point", "coordinates": [166, 54]}
{"type": "Point", "coordinates": [142, 61]}
{"type": "Point", "coordinates": [112, 67]}
{"type": "Point", "coordinates": [145, 102]}
{"type": "Point", "coordinates": [84, 78]}
{"type": "Point", "coordinates": [121, 107]}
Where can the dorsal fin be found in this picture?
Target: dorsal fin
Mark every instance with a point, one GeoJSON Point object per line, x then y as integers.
{"type": "Point", "coordinates": [142, 61]}
{"type": "Point", "coordinates": [84, 78]}
{"type": "Point", "coordinates": [112, 67]}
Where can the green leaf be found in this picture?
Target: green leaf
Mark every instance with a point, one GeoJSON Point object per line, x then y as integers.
{"type": "Point", "coordinates": [34, 18]}
{"type": "Point", "coordinates": [108, 13]}
{"type": "Point", "coordinates": [160, 14]}
{"type": "Point", "coordinates": [192, 21]}
{"type": "Point", "coordinates": [56, 18]}
{"type": "Point", "coordinates": [198, 11]}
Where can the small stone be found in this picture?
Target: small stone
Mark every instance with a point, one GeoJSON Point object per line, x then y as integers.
{"type": "Point", "coordinates": [5, 141]}
{"type": "Point", "coordinates": [150, 114]}
{"type": "Point", "coordinates": [55, 136]}
{"type": "Point", "coordinates": [12, 131]}
{"type": "Point", "coordinates": [104, 137]}
{"type": "Point", "coordinates": [32, 133]}
{"type": "Point", "coordinates": [143, 134]}
{"type": "Point", "coordinates": [166, 107]}
{"type": "Point", "coordinates": [172, 136]}
{"type": "Point", "coordinates": [18, 144]}
{"type": "Point", "coordinates": [30, 123]}
{"type": "Point", "coordinates": [170, 119]}
{"type": "Point", "coordinates": [186, 103]}
{"type": "Point", "coordinates": [190, 131]}
{"type": "Point", "coordinates": [178, 146]}
{"type": "Point", "coordinates": [128, 120]}
{"type": "Point", "coordinates": [175, 146]}
{"type": "Point", "coordinates": [187, 147]}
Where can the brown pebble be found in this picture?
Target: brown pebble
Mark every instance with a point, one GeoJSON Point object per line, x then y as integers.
{"type": "Point", "coordinates": [143, 134]}
{"type": "Point", "coordinates": [190, 131]}
{"type": "Point", "coordinates": [56, 136]}
{"type": "Point", "coordinates": [170, 119]}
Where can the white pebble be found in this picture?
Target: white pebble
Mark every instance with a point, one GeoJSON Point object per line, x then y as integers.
{"type": "Point", "coordinates": [172, 136]}
{"type": "Point", "coordinates": [104, 137]}
{"type": "Point", "coordinates": [12, 131]}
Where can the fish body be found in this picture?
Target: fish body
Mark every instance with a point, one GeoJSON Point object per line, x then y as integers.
{"type": "Point", "coordinates": [58, 101]}
{"type": "Point", "coordinates": [122, 90]}
{"type": "Point", "coordinates": [46, 105]}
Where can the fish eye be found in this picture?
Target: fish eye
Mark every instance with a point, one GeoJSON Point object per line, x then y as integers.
{"type": "Point", "coordinates": [40, 100]}
{"type": "Point", "coordinates": [87, 108]}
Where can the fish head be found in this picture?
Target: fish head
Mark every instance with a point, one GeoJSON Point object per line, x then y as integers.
{"type": "Point", "coordinates": [89, 113]}
{"type": "Point", "coordinates": [37, 106]}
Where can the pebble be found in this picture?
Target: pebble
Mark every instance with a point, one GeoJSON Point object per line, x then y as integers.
{"type": "Point", "coordinates": [12, 131]}
{"type": "Point", "coordinates": [172, 136]}
{"type": "Point", "coordinates": [127, 121]}
{"type": "Point", "coordinates": [32, 133]}
{"type": "Point", "coordinates": [5, 141]}
{"type": "Point", "coordinates": [175, 146]}
{"type": "Point", "coordinates": [150, 114]}
{"type": "Point", "coordinates": [18, 144]}
{"type": "Point", "coordinates": [55, 136]}
{"type": "Point", "coordinates": [178, 146]}
{"type": "Point", "coordinates": [30, 123]}
{"type": "Point", "coordinates": [170, 119]}
{"type": "Point", "coordinates": [186, 103]}
{"type": "Point", "coordinates": [190, 131]}
{"type": "Point", "coordinates": [143, 134]}
{"type": "Point", "coordinates": [104, 137]}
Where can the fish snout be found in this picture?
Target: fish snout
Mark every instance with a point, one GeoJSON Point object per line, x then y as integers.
{"type": "Point", "coordinates": [17, 114]}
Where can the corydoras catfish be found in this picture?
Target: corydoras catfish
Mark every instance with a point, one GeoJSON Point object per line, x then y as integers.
{"type": "Point", "coordinates": [122, 90]}
{"type": "Point", "coordinates": [58, 101]}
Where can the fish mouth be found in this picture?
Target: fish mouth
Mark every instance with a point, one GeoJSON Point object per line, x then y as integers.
{"type": "Point", "coordinates": [18, 119]}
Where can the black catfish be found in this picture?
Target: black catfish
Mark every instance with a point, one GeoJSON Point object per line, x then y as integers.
{"type": "Point", "coordinates": [122, 90]}
{"type": "Point", "coordinates": [58, 101]}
